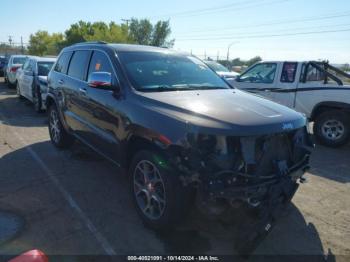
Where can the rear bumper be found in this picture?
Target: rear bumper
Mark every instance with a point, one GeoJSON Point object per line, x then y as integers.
{"type": "Point", "coordinates": [11, 77]}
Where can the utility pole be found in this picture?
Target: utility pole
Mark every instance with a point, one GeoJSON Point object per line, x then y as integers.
{"type": "Point", "coordinates": [228, 49]}
{"type": "Point", "coordinates": [22, 47]}
{"type": "Point", "coordinates": [205, 54]}
{"type": "Point", "coordinates": [126, 21]}
{"type": "Point", "coordinates": [10, 40]}
{"type": "Point", "coordinates": [218, 56]}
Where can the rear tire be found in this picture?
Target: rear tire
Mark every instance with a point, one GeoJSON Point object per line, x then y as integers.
{"type": "Point", "coordinates": [10, 85]}
{"type": "Point", "coordinates": [58, 135]}
{"type": "Point", "coordinates": [332, 128]}
{"type": "Point", "coordinates": [159, 197]}
{"type": "Point", "coordinates": [18, 91]}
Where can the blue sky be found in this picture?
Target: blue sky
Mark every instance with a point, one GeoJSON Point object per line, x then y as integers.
{"type": "Point", "coordinates": [273, 29]}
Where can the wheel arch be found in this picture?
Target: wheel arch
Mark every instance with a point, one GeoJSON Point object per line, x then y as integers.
{"type": "Point", "coordinates": [137, 142]}
{"type": "Point", "coordinates": [329, 105]}
{"type": "Point", "coordinates": [51, 100]}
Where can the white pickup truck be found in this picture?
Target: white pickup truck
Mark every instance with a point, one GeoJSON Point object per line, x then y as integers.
{"type": "Point", "coordinates": [317, 89]}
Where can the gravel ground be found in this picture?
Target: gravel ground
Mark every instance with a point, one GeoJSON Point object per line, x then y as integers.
{"type": "Point", "coordinates": [74, 202]}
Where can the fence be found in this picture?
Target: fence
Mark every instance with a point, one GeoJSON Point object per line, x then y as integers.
{"type": "Point", "coordinates": [14, 49]}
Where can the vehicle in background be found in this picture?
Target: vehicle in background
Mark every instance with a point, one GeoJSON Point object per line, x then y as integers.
{"type": "Point", "coordinates": [222, 71]}
{"type": "Point", "coordinates": [15, 62]}
{"type": "Point", "coordinates": [317, 89]}
{"type": "Point", "coordinates": [3, 64]}
{"type": "Point", "coordinates": [32, 80]}
{"type": "Point", "coordinates": [180, 130]}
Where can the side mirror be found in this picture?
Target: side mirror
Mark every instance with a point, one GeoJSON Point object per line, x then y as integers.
{"type": "Point", "coordinates": [102, 80]}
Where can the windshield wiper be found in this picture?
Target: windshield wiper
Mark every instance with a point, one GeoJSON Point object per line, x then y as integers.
{"type": "Point", "coordinates": [205, 87]}
{"type": "Point", "coordinates": [185, 87]}
{"type": "Point", "coordinates": [163, 88]}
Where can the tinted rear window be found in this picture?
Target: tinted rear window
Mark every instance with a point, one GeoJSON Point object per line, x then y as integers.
{"type": "Point", "coordinates": [78, 64]}
{"type": "Point", "coordinates": [288, 72]}
{"type": "Point", "coordinates": [19, 60]}
{"type": "Point", "coordinates": [62, 63]}
{"type": "Point", "coordinates": [44, 68]}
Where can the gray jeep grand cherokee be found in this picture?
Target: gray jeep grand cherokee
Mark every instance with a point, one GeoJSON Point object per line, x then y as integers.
{"type": "Point", "coordinates": [180, 130]}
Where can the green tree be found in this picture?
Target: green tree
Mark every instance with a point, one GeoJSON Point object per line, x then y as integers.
{"type": "Point", "coordinates": [253, 61]}
{"type": "Point", "coordinates": [144, 33]}
{"type": "Point", "coordinates": [237, 62]}
{"type": "Point", "coordinates": [42, 43]}
{"type": "Point", "coordinates": [140, 31]}
{"type": "Point", "coordinates": [98, 31]}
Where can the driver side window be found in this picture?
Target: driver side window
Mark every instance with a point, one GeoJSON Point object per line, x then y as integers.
{"type": "Point", "coordinates": [261, 73]}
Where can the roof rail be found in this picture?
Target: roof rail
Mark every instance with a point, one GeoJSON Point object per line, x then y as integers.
{"type": "Point", "coordinates": [91, 43]}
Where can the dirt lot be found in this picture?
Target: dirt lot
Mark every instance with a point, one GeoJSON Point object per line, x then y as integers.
{"type": "Point", "coordinates": [74, 202]}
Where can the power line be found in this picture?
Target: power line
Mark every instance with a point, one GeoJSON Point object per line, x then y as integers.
{"type": "Point", "coordinates": [195, 11]}
{"type": "Point", "coordinates": [266, 36]}
{"type": "Point", "coordinates": [274, 31]}
{"type": "Point", "coordinates": [278, 22]}
{"type": "Point", "coordinates": [219, 9]}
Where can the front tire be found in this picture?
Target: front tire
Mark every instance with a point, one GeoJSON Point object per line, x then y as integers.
{"type": "Point", "coordinates": [160, 199]}
{"type": "Point", "coordinates": [332, 128]}
{"type": "Point", "coordinates": [58, 135]}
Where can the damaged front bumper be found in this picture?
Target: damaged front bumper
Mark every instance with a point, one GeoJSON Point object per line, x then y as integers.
{"type": "Point", "coordinates": [245, 169]}
{"type": "Point", "coordinates": [261, 173]}
{"type": "Point", "coordinates": [255, 192]}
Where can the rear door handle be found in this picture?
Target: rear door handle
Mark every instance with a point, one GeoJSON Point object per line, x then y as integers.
{"type": "Point", "coordinates": [82, 91]}
{"type": "Point", "coordinates": [61, 82]}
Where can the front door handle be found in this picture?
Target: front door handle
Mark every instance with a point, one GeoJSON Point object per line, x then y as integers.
{"type": "Point", "coordinates": [61, 82]}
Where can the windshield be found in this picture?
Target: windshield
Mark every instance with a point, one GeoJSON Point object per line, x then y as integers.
{"type": "Point", "coordinates": [216, 66]}
{"type": "Point", "coordinates": [19, 60]}
{"type": "Point", "coordinates": [156, 71]}
{"type": "Point", "coordinates": [44, 68]}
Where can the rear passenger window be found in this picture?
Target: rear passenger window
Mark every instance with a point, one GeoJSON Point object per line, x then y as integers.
{"type": "Point", "coordinates": [288, 72]}
{"type": "Point", "coordinates": [100, 63]}
{"type": "Point", "coordinates": [62, 63]}
{"type": "Point", "coordinates": [313, 74]}
{"type": "Point", "coordinates": [78, 64]}
{"type": "Point", "coordinates": [26, 64]}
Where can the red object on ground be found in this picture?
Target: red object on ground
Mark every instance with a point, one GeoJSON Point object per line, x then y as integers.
{"type": "Point", "coordinates": [31, 256]}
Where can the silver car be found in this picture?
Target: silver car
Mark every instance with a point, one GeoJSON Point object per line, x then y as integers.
{"type": "Point", "coordinates": [222, 71]}
{"type": "Point", "coordinates": [32, 80]}
{"type": "Point", "coordinates": [15, 62]}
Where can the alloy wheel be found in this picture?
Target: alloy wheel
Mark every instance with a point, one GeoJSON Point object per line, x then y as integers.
{"type": "Point", "coordinates": [54, 127]}
{"type": "Point", "coordinates": [149, 190]}
{"type": "Point", "coordinates": [333, 129]}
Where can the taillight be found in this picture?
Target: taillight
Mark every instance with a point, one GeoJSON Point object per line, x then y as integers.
{"type": "Point", "coordinates": [14, 69]}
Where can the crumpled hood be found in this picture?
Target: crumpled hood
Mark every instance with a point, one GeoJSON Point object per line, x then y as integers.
{"type": "Point", "coordinates": [226, 111]}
